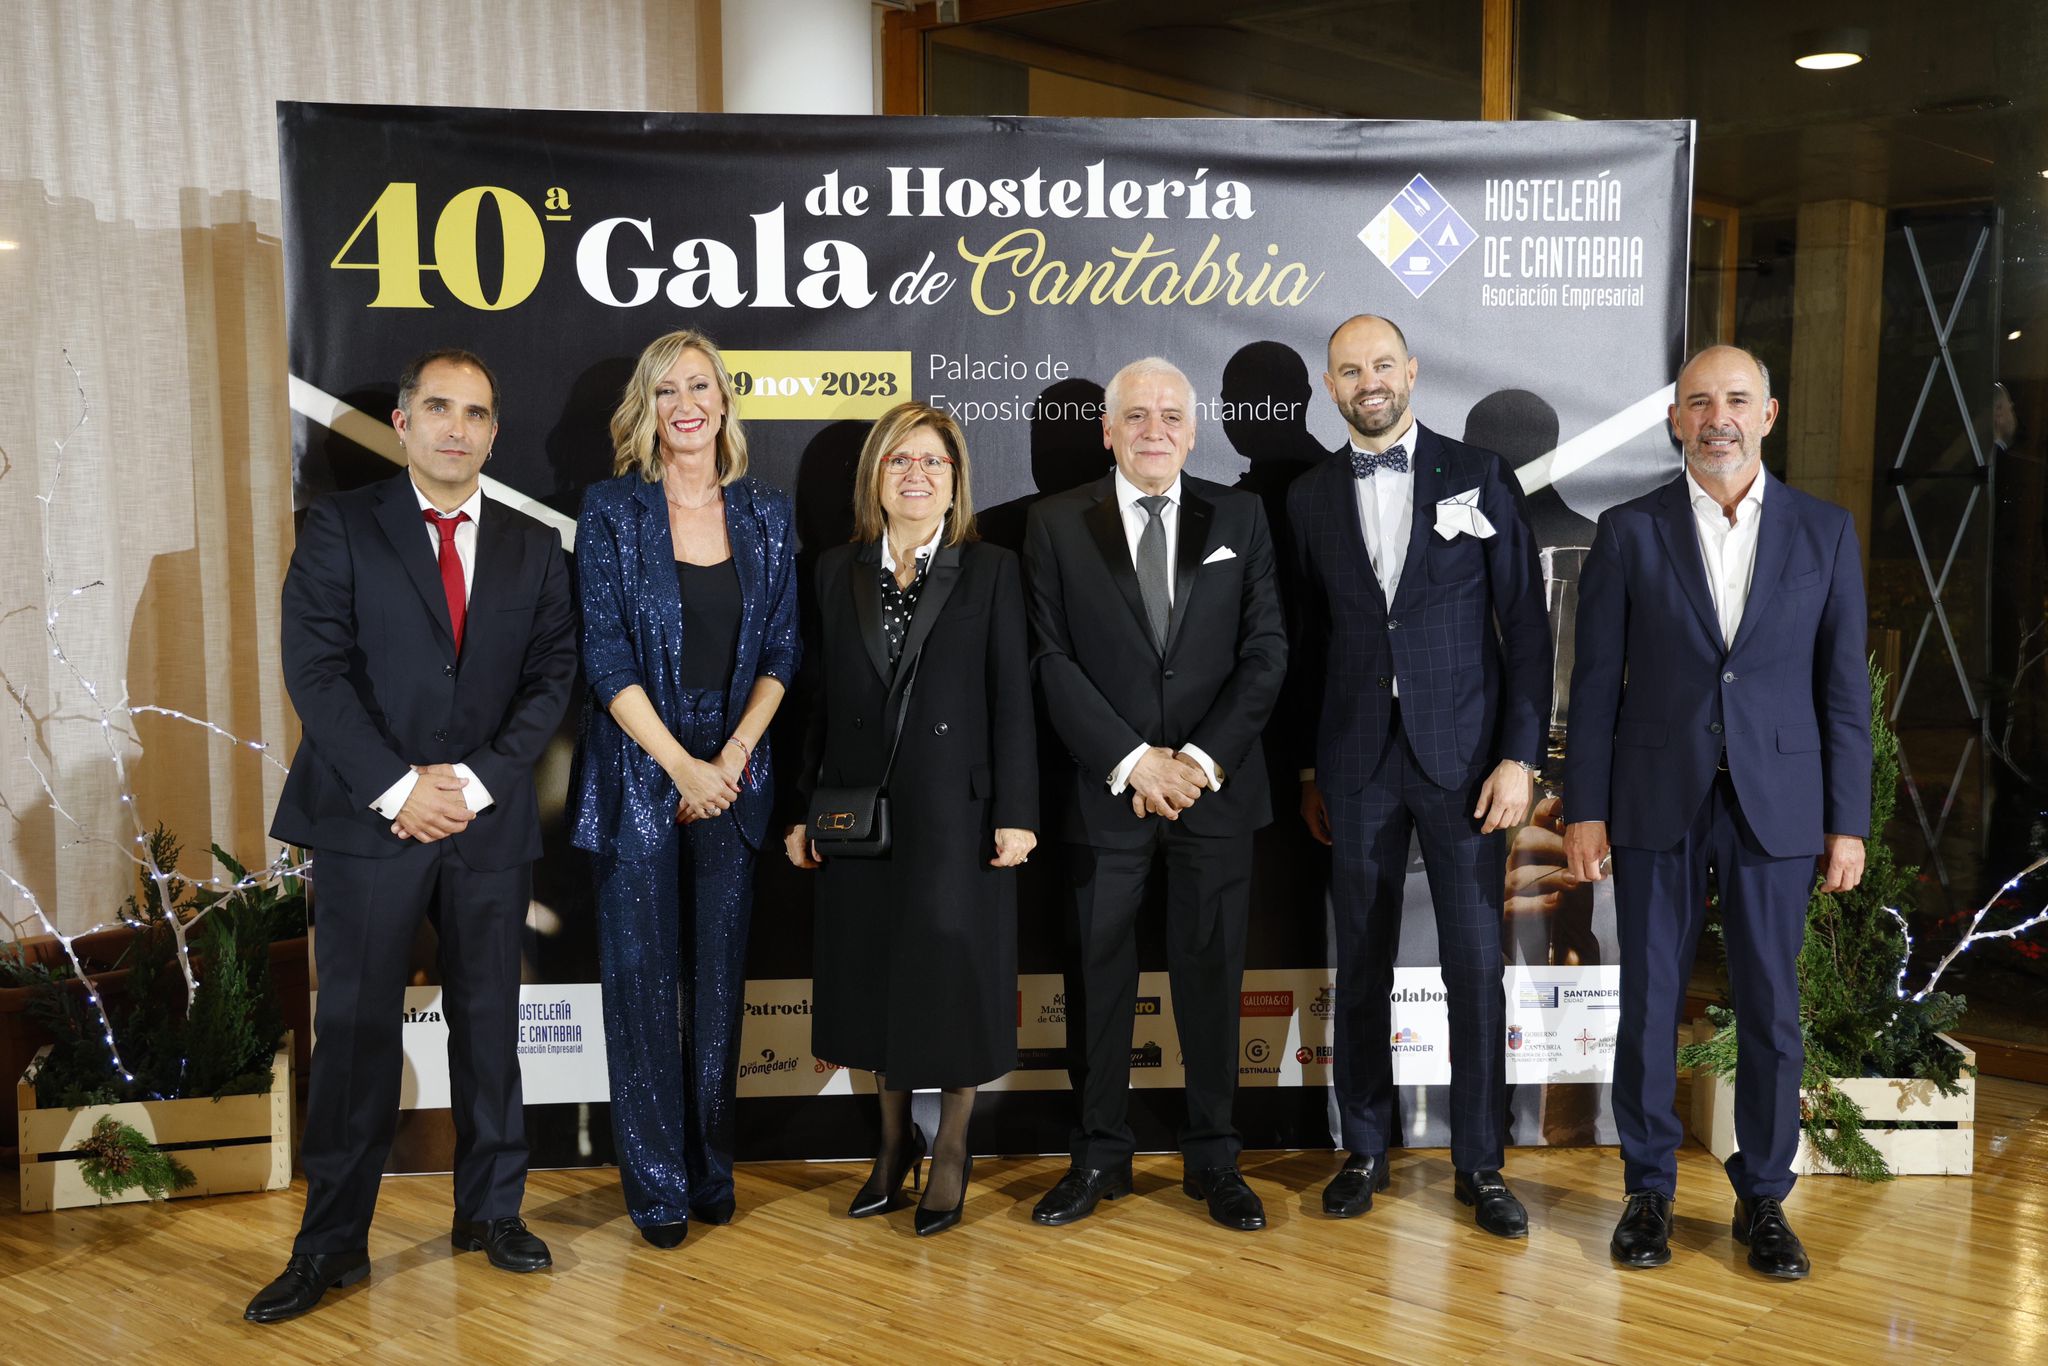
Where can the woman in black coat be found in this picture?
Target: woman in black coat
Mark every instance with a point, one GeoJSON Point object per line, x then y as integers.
{"type": "Point", "coordinates": [916, 952]}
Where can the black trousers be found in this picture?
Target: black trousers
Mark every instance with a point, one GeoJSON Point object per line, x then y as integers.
{"type": "Point", "coordinates": [1208, 898]}
{"type": "Point", "coordinates": [1370, 830]}
{"type": "Point", "coordinates": [366, 912]}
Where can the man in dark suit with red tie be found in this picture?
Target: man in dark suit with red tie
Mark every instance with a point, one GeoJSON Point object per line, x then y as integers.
{"type": "Point", "coordinates": [429, 648]}
{"type": "Point", "coordinates": [1423, 672]}
{"type": "Point", "coordinates": [1159, 643]}
{"type": "Point", "coordinates": [1720, 724]}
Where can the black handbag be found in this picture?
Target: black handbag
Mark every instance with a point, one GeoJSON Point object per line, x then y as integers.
{"type": "Point", "coordinates": [853, 822]}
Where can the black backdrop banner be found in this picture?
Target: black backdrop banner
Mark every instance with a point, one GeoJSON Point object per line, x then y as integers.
{"type": "Point", "coordinates": [1003, 269]}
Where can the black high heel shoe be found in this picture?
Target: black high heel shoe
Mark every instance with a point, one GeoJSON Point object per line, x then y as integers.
{"type": "Point", "coordinates": [877, 1196]}
{"type": "Point", "coordinates": [665, 1236]}
{"type": "Point", "coordinates": [930, 1221]}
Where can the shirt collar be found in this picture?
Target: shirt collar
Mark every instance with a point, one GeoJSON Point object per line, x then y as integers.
{"type": "Point", "coordinates": [1128, 494]}
{"type": "Point", "coordinates": [1404, 437]}
{"type": "Point", "coordinates": [923, 552]}
{"type": "Point", "coordinates": [473, 505]}
{"type": "Point", "coordinates": [1745, 511]}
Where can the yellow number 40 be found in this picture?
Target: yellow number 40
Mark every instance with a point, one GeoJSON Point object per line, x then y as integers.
{"type": "Point", "coordinates": [396, 217]}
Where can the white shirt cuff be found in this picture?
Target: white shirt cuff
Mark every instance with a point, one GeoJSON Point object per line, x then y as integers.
{"type": "Point", "coordinates": [1121, 777]}
{"type": "Point", "coordinates": [476, 796]}
{"type": "Point", "coordinates": [1206, 764]}
{"type": "Point", "coordinates": [394, 797]}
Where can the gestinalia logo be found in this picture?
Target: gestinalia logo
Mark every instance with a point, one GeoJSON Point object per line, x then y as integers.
{"type": "Point", "coordinates": [1417, 236]}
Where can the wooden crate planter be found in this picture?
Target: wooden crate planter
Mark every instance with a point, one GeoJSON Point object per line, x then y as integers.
{"type": "Point", "coordinates": [21, 1036]}
{"type": "Point", "coordinates": [240, 1143]}
{"type": "Point", "coordinates": [1886, 1101]}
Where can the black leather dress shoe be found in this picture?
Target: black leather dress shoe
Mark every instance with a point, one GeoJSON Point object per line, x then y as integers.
{"type": "Point", "coordinates": [1350, 1191]}
{"type": "Point", "coordinates": [307, 1276]}
{"type": "Point", "coordinates": [1494, 1207]}
{"type": "Point", "coordinates": [666, 1236]}
{"type": "Point", "coordinates": [505, 1241]}
{"type": "Point", "coordinates": [715, 1211]}
{"type": "Point", "coordinates": [1078, 1191]}
{"type": "Point", "coordinates": [1642, 1238]}
{"type": "Point", "coordinates": [1232, 1203]}
{"type": "Point", "coordinates": [1774, 1249]}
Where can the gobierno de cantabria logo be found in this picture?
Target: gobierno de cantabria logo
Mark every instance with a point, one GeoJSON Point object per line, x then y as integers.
{"type": "Point", "coordinates": [1417, 236]}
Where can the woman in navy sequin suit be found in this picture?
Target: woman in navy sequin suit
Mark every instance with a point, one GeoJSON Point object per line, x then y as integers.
{"type": "Point", "coordinates": [687, 575]}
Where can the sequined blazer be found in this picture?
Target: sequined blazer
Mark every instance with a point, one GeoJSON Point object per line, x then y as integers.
{"type": "Point", "coordinates": [624, 803]}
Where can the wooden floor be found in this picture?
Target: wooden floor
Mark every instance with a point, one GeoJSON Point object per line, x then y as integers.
{"type": "Point", "coordinates": [1926, 1269]}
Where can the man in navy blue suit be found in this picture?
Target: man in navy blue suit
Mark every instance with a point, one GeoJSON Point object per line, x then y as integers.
{"type": "Point", "coordinates": [1423, 655]}
{"type": "Point", "coordinates": [429, 647]}
{"type": "Point", "coordinates": [1720, 724]}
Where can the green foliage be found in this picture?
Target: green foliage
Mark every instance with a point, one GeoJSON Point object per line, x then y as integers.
{"type": "Point", "coordinates": [1853, 1021]}
{"type": "Point", "coordinates": [222, 1044]}
{"type": "Point", "coordinates": [115, 1158]}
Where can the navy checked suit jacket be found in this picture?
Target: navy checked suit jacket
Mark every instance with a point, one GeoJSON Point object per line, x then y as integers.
{"type": "Point", "coordinates": [1656, 697]}
{"type": "Point", "coordinates": [1466, 634]}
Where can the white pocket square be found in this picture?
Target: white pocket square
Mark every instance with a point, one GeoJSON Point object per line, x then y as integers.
{"type": "Point", "coordinates": [1460, 513]}
{"type": "Point", "coordinates": [1220, 554]}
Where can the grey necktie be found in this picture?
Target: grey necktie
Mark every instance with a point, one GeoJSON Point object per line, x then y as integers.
{"type": "Point", "coordinates": [1152, 567]}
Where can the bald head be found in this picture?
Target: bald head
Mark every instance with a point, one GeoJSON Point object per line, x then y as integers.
{"type": "Point", "coordinates": [1718, 354]}
{"type": "Point", "coordinates": [1370, 377]}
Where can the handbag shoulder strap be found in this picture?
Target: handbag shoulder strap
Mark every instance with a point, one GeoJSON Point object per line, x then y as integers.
{"type": "Point", "coordinates": [902, 711]}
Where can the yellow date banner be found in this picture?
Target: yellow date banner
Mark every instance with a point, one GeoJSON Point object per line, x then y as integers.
{"type": "Point", "coordinates": [818, 386]}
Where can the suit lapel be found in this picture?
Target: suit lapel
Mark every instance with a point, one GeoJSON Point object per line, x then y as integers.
{"type": "Point", "coordinates": [497, 552]}
{"type": "Point", "coordinates": [1340, 500]}
{"type": "Point", "coordinates": [398, 513]}
{"type": "Point", "coordinates": [1106, 523]}
{"type": "Point", "coordinates": [1426, 459]}
{"type": "Point", "coordinates": [1773, 544]}
{"type": "Point", "coordinates": [867, 604]}
{"type": "Point", "coordinates": [749, 556]}
{"type": "Point", "coordinates": [1682, 543]}
{"type": "Point", "coordinates": [1195, 515]}
{"type": "Point", "coordinates": [939, 581]}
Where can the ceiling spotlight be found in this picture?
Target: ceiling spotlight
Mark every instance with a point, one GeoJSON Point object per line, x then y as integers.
{"type": "Point", "coordinates": [2013, 335]}
{"type": "Point", "coordinates": [9, 244]}
{"type": "Point", "coordinates": [1830, 49]}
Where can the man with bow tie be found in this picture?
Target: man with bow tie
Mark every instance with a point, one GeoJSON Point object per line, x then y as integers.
{"type": "Point", "coordinates": [1423, 672]}
{"type": "Point", "coordinates": [429, 646]}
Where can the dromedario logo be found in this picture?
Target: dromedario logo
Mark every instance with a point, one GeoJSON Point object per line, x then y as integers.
{"type": "Point", "coordinates": [1417, 236]}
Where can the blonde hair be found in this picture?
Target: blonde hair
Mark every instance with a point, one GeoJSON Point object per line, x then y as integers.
{"type": "Point", "coordinates": [636, 438]}
{"type": "Point", "coordinates": [891, 430]}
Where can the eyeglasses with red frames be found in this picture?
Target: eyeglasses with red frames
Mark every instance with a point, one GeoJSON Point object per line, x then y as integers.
{"type": "Point", "coordinates": [932, 465]}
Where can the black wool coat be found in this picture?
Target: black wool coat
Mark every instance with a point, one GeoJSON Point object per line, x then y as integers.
{"type": "Point", "coordinates": [916, 952]}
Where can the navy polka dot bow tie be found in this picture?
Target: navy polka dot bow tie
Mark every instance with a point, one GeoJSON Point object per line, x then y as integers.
{"type": "Point", "coordinates": [1394, 458]}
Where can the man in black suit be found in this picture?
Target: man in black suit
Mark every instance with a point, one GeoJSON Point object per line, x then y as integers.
{"type": "Point", "coordinates": [1425, 662]}
{"type": "Point", "coordinates": [1161, 648]}
{"type": "Point", "coordinates": [429, 647]}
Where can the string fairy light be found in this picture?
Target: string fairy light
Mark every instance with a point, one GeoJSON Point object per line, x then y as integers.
{"type": "Point", "coordinates": [115, 728]}
{"type": "Point", "coordinates": [1973, 935]}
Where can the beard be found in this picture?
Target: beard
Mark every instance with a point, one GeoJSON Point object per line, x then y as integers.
{"type": "Point", "coordinates": [1700, 461]}
{"type": "Point", "coordinates": [1368, 422]}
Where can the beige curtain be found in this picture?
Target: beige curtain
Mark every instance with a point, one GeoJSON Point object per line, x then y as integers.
{"type": "Point", "coordinates": [142, 304]}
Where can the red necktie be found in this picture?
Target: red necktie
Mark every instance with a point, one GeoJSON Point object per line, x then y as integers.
{"type": "Point", "coordinates": [451, 568]}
